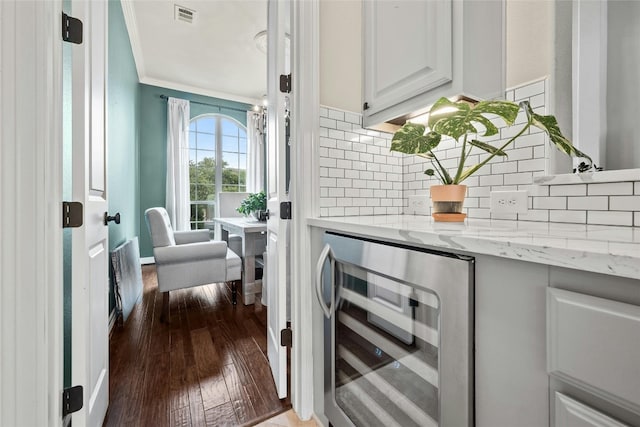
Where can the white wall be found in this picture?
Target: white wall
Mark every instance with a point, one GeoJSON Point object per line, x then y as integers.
{"type": "Point", "coordinates": [341, 54]}
{"type": "Point", "coordinates": [623, 87]}
{"type": "Point", "coordinates": [529, 40]}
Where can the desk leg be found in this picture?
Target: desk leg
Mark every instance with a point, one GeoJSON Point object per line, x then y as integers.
{"type": "Point", "coordinates": [249, 269]}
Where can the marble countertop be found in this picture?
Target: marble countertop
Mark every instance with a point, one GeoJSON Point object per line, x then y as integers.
{"type": "Point", "coordinates": [599, 249]}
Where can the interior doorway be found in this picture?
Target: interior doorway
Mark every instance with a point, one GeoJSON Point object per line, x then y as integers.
{"type": "Point", "coordinates": [208, 366]}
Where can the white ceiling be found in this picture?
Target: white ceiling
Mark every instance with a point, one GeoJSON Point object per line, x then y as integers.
{"type": "Point", "coordinates": [216, 55]}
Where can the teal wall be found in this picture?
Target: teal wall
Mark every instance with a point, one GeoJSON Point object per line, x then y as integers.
{"type": "Point", "coordinates": [123, 107]}
{"type": "Point", "coordinates": [153, 145]}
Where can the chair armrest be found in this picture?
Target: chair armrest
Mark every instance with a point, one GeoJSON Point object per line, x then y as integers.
{"type": "Point", "coordinates": [190, 252]}
{"type": "Point", "coordinates": [191, 236]}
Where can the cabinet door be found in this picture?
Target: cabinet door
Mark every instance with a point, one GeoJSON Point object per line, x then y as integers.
{"type": "Point", "coordinates": [595, 343]}
{"type": "Point", "coordinates": [571, 413]}
{"type": "Point", "coordinates": [407, 50]}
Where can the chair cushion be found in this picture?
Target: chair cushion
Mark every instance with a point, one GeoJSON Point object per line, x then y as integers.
{"type": "Point", "coordinates": [191, 236]}
{"type": "Point", "coordinates": [234, 266]}
{"type": "Point", "coordinates": [159, 226]}
{"type": "Point", "coordinates": [190, 252]}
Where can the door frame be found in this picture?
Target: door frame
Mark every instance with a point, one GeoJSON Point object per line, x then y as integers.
{"type": "Point", "coordinates": [31, 339]}
{"type": "Point", "coordinates": [30, 201]}
{"type": "Point", "coordinates": [305, 130]}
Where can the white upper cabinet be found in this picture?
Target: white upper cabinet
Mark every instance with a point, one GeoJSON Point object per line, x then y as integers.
{"type": "Point", "coordinates": [417, 51]}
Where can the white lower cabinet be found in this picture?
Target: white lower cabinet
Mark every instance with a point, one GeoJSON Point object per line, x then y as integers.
{"type": "Point", "coordinates": [595, 343]}
{"type": "Point", "coordinates": [571, 413]}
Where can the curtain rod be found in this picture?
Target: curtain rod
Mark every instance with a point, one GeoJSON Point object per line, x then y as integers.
{"type": "Point", "coordinates": [219, 107]}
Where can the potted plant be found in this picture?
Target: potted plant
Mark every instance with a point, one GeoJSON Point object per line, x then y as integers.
{"type": "Point", "coordinates": [464, 123]}
{"type": "Point", "coordinates": [253, 205]}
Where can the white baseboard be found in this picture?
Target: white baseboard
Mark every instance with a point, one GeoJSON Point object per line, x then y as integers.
{"type": "Point", "coordinates": [147, 260]}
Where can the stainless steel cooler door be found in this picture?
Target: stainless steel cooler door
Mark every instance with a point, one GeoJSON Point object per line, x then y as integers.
{"type": "Point", "coordinates": [398, 335]}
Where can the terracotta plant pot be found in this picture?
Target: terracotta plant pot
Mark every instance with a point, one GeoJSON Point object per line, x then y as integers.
{"type": "Point", "coordinates": [447, 202]}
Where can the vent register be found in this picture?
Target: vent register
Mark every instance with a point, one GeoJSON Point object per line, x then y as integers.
{"type": "Point", "coordinates": [184, 14]}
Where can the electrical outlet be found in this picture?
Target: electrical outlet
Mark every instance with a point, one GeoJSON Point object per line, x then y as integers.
{"type": "Point", "coordinates": [418, 205]}
{"type": "Point", "coordinates": [509, 201]}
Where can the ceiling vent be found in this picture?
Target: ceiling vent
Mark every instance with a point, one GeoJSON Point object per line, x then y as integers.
{"type": "Point", "coordinates": [183, 14]}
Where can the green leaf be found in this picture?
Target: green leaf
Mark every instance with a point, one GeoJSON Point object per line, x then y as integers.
{"type": "Point", "coordinates": [455, 119]}
{"type": "Point", "coordinates": [430, 172]}
{"type": "Point", "coordinates": [410, 139]}
{"type": "Point", "coordinates": [487, 147]}
{"type": "Point", "coordinates": [549, 124]}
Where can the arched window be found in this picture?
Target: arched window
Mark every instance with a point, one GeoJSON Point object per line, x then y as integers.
{"type": "Point", "coordinates": [217, 162]}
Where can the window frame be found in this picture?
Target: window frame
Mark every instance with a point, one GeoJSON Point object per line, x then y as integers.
{"type": "Point", "coordinates": [218, 185]}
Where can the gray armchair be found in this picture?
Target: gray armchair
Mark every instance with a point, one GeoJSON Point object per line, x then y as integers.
{"type": "Point", "coordinates": [188, 258]}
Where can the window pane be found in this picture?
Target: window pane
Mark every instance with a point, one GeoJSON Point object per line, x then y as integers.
{"type": "Point", "coordinates": [206, 142]}
{"type": "Point", "coordinates": [229, 127]}
{"type": "Point", "coordinates": [193, 193]}
{"type": "Point", "coordinates": [230, 160]}
{"type": "Point", "coordinates": [242, 161]}
{"type": "Point", "coordinates": [230, 188]}
{"type": "Point", "coordinates": [242, 177]}
{"type": "Point", "coordinates": [206, 192]}
{"type": "Point", "coordinates": [192, 140]}
{"type": "Point", "coordinates": [193, 158]}
{"type": "Point", "coordinates": [230, 176]}
{"type": "Point", "coordinates": [192, 126]}
{"type": "Point", "coordinates": [242, 133]}
{"type": "Point", "coordinates": [243, 145]}
{"type": "Point", "coordinates": [207, 125]}
{"type": "Point", "coordinates": [193, 212]}
{"type": "Point", "coordinates": [230, 144]}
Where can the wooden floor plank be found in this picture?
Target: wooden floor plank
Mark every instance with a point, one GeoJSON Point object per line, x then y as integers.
{"type": "Point", "coordinates": [179, 390]}
{"type": "Point", "coordinates": [221, 415]}
{"type": "Point", "coordinates": [205, 367]}
{"type": "Point", "coordinates": [242, 405]}
{"type": "Point", "coordinates": [155, 409]}
{"type": "Point", "coordinates": [212, 385]}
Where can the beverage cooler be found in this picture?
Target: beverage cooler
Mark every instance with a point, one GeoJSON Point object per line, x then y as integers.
{"type": "Point", "coordinates": [398, 334]}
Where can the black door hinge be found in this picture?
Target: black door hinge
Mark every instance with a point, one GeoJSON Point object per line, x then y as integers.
{"type": "Point", "coordinates": [71, 29]}
{"type": "Point", "coordinates": [285, 210]}
{"type": "Point", "coordinates": [365, 106]}
{"type": "Point", "coordinates": [285, 83]}
{"type": "Point", "coordinates": [413, 302]}
{"type": "Point", "coordinates": [71, 214]}
{"type": "Point", "coordinates": [286, 338]}
{"type": "Point", "coordinates": [71, 400]}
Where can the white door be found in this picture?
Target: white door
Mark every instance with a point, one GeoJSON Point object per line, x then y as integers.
{"type": "Point", "coordinates": [277, 229]}
{"type": "Point", "coordinates": [90, 277]}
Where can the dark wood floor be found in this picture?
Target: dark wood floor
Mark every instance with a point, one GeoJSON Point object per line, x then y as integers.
{"type": "Point", "coordinates": [208, 366]}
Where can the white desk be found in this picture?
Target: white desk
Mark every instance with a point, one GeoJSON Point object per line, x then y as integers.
{"type": "Point", "coordinates": [252, 232]}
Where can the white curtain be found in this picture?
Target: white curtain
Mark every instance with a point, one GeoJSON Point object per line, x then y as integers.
{"type": "Point", "coordinates": [178, 163]}
{"type": "Point", "coordinates": [255, 152]}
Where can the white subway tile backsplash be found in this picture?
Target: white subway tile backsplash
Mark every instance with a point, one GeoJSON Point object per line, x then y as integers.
{"type": "Point", "coordinates": [624, 203]}
{"type": "Point", "coordinates": [336, 114]}
{"type": "Point", "coordinates": [610, 189]}
{"type": "Point", "coordinates": [591, 203]}
{"type": "Point", "coordinates": [549, 203]}
{"type": "Point", "coordinates": [327, 123]}
{"type": "Point", "coordinates": [517, 178]}
{"type": "Point", "coordinates": [336, 134]}
{"type": "Point", "coordinates": [567, 190]}
{"type": "Point", "coordinates": [541, 215]}
{"type": "Point", "coordinates": [488, 180]}
{"type": "Point", "coordinates": [360, 176]}
{"type": "Point", "coordinates": [356, 119]}
{"type": "Point", "coordinates": [528, 91]}
{"type": "Point", "coordinates": [610, 218]}
{"type": "Point", "coordinates": [577, 217]}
